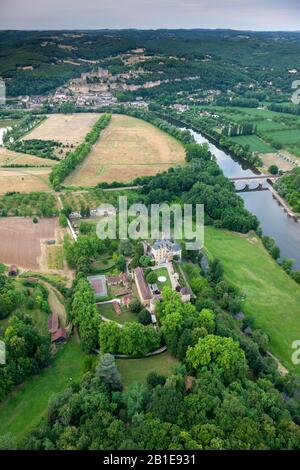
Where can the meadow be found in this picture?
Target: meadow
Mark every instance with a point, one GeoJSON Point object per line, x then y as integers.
{"type": "Point", "coordinates": [137, 370]}
{"type": "Point", "coordinates": [254, 142]}
{"type": "Point", "coordinates": [24, 408]}
{"type": "Point", "coordinates": [272, 297]}
{"type": "Point", "coordinates": [127, 148]}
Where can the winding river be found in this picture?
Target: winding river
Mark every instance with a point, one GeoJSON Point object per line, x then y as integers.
{"type": "Point", "coordinates": [274, 221]}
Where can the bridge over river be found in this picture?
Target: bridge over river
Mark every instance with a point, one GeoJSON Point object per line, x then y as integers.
{"type": "Point", "coordinates": [253, 183]}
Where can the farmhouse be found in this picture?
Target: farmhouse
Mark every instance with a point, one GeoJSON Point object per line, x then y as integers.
{"type": "Point", "coordinates": [142, 286]}
{"type": "Point", "coordinates": [164, 250]}
{"type": "Point", "coordinates": [13, 270]}
{"type": "Point", "coordinates": [59, 337]}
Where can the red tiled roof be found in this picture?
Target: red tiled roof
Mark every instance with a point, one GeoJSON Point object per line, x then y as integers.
{"type": "Point", "coordinates": [60, 334]}
{"type": "Point", "coordinates": [142, 284]}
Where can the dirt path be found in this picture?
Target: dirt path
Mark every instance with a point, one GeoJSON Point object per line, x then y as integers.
{"type": "Point", "coordinates": [56, 304]}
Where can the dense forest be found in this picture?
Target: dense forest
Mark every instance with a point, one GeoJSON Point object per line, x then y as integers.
{"type": "Point", "coordinates": [38, 62]}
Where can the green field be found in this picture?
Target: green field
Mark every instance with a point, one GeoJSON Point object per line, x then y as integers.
{"type": "Point", "coordinates": [25, 407]}
{"type": "Point", "coordinates": [291, 136]}
{"type": "Point", "coordinates": [136, 370]}
{"type": "Point", "coordinates": [254, 142]}
{"type": "Point", "coordinates": [108, 311]}
{"type": "Point", "coordinates": [163, 272]}
{"type": "Point", "coordinates": [269, 125]}
{"type": "Point", "coordinates": [272, 297]}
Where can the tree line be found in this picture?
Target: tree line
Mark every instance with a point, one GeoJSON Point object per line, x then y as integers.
{"type": "Point", "coordinates": [73, 159]}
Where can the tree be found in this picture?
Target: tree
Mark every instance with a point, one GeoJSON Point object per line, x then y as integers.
{"type": "Point", "coordinates": [144, 317]}
{"type": "Point", "coordinates": [63, 221]}
{"type": "Point", "coordinates": [67, 107]}
{"type": "Point", "coordinates": [273, 169]}
{"type": "Point", "coordinates": [216, 351]}
{"type": "Point", "coordinates": [7, 442]}
{"type": "Point", "coordinates": [145, 261]}
{"type": "Point", "coordinates": [135, 398]}
{"type": "Point", "coordinates": [154, 379]}
{"type": "Point", "coordinates": [135, 306]}
{"type": "Point", "coordinates": [109, 337]}
{"type": "Point", "coordinates": [107, 370]}
{"type": "Point", "coordinates": [207, 320]}
{"type": "Point", "coordinates": [121, 263]}
{"type": "Point", "coordinates": [151, 277]}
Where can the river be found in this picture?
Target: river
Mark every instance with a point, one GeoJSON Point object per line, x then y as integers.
{"type": "Point", "coordinates": [273, 220]}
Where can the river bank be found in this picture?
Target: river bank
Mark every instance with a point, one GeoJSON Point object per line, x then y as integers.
{"type": "Point", "coordinates": [272, 214]}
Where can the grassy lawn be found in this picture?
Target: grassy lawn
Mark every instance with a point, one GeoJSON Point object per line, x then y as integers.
{"type": "Point", "coordinates": [136, 370]}
{"type": "Point", "coordinates": [55, 257]}
{"type": "Point", "coordinates": [291, 136]}
{"type": "Point", "coordinates": [108, 311]}
{"type": "Point", "coordinates": [163, 272]}
{"type": "Point", "coordinates": [272, 297]}
{"type": "Point", "coordinates": [254, 142]}
{"type": "Point", "coordinates": [25, 407]}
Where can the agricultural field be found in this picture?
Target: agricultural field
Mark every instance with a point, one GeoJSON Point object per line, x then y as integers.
{"type": "Point", "coordinates": [254, 142]}
{"type": "Point", "coordinates": [28, 204]}
{"type": "Point", "coordinates": [274, 131]}
{"type": "Point", "coordinates": [127, 148]}
{"type": "Point", "coordinates": [10, 157]}
{"type": "Point", "coordinates": [137, 370]}
{"type": "Point", "coordinates": [289, 137]}
{"type": "Point", "coordinates": [274, 159]}
{"type": "Point", "coordinates": [22, 241]}
{"type": "Point", "coordinates": [55, 257]}
{"type": "Point", "coordinates": [70, 129]}
{"type": "Point", "coordinates": [76, 200]}
{"type": "Point", "coordinates": [272, 297]}
{"type": "Point", "coordinates": [25, 407]}
{"type": "Point", "coordinates": [93, 198]}
{"type": "Point", "coordinates": [24, 179]}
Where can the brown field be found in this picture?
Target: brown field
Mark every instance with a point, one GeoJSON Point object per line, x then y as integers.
{"type": "Point", "coordinates": [273, 159]}
{"type": "Point", "coordinates": [24, 179]}
{"type": "Point", "coordinates": [8, 157]}
{"type": "Point", "coordinates": [65, 128]}
{"type": "Point", "coordinates": [22, 241]}
{"type": "Point", "coordinates": [127, 148]}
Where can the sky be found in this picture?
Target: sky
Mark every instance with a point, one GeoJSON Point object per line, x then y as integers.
{"type": "Point", "coordinates": [264, 15]}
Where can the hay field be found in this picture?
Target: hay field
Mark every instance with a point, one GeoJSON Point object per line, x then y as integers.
{"type": "Point", "coordinates": [22, 240]}
{"type": "Point", "coordinates": [65, 128]}
{"type": "Point", "coordinates": [9, 157]}
{"type": "Point", "coordinates": [24, 179]}
{"type": "Point", "coordinates": [127, 148]}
